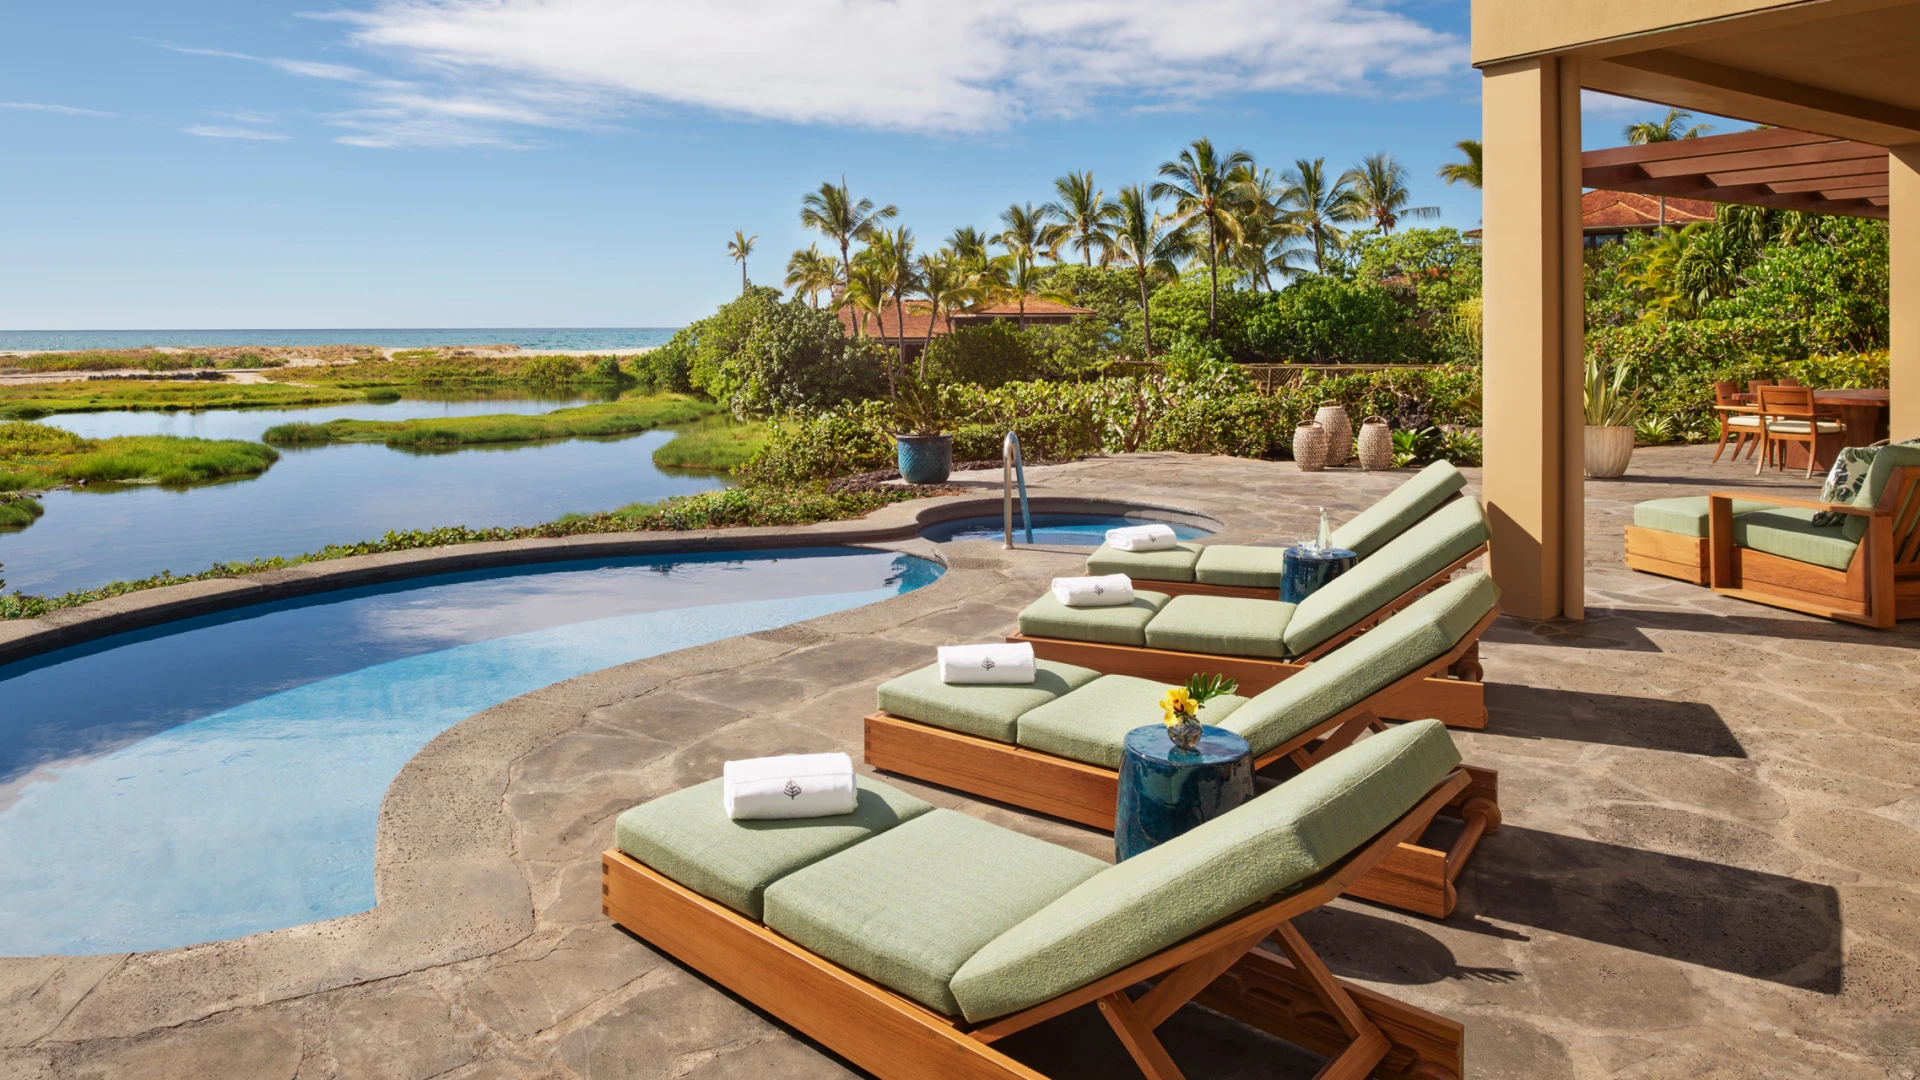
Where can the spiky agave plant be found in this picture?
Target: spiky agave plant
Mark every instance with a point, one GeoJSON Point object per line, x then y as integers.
{"type": "Point", "coordinates": [1609, 403]}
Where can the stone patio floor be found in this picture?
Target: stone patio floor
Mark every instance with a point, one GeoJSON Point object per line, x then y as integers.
{"type": "Point", "coordinates": [1708, 868]}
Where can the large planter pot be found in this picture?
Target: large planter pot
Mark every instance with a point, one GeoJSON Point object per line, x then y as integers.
{"type": "Point", "coordinates": [1332, 417]}
{"type": "Point", "coordinates": [1376, 444]}
{"type": "Point", "coordinates": [1310, 447]}
{"type": "Point", "coordinates": [1608, 451]}
{"type": "Point", "coordinates": [924, 459]}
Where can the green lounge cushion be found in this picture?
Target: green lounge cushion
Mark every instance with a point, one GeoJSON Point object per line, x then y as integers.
{"type": "Point", "coordinates": [1424, 550]}
{"type": "Point", "coordinates": [688, 837]}
{"type": "Point", "coordinates": [1047, 617]}
{"type": "Point", "coordinates": [1684, 516]}
{"type": "Point", "coordinates": [1417, 635]}
{"type": "Point", "coordinates": [1790, 533]}
{"type": "Point", "coordinates": [1242, 565]}
{"type": "Point", "coordinates": [1372, 528]}
{"type": "Point", "coordinates": [909, 912]}
{"type": "Point", "coordinates": [1175, 564]}
{"type": "Point", "coordinates": [1221, 626]}
{"type": "Point", "coordinates": [1091, 723]}
{"type": "Point", "coordinates": [1879, 472]}
{"type": "Point", "coordinates": [986, 711]}
{"type": "Point", "coordinates": [1267, 846]}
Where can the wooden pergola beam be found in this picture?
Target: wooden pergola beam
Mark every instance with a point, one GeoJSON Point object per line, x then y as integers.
{"type": "Point", "coordinates": [1772, 167]}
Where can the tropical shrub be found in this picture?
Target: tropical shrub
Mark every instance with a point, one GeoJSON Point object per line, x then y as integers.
{"type": "Point", "coordinates": [987, 354]}
{"type": "Point", "coordinates": [798, 359]}
{"type": "Point", "coordinates": [1324, 320]}
{"type": "Point", "coordinates": [837, 442]}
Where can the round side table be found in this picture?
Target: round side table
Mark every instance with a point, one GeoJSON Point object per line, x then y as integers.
{"type": "Point", "coordinates": [1165, 791]}
{"type": "Point", "coordinates": [1304, 570]}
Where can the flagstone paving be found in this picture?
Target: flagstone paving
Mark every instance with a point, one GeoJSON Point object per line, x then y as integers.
{"type": "Point", "coordinates": [1710, 865]}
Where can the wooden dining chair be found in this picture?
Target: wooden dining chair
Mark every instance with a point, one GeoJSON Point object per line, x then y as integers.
{"type": "Point", "coordinates": [1754, 385]}
{"type": "Point", "coordinates": [1740, 422]}
{"type": "Point", "coordinates": [1788, 415]}
{"type": "Point", "coordinates": [1785, 381]}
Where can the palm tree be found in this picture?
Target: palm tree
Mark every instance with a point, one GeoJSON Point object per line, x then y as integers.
{"type": "Point", "coordinates": [1319, 208]}
{"type": "Point", "coordinates": [1268, 240]}
{"type": "Point", "coordinates": [1380, 187]}
{"type": "Point", "coordinates": [739, 248]}
{"type": "Point", "coordinates": [1024, 235]}
{"type": "Point", "coordinates": [866, 291]}
{"type": "Point", "coordinates": [888, 259]}
{"type": "Point", "coordinates": [945, 283]}
{"type": "Point", "coordinates": [811, 271]}
{"type": "Point", "coordinates": [834, 213]}
{"type": "Point", "coordinates": [1465, 172]}
{"type": "Point", "coordinates": [968, 245]}
{"type": "Point", "coordinates": [1085, 216]}
{"type": "Point", "coordinates": [1142, 244]}
{"type": "Point", "coordinates": [1670, 129]}
{"type": "Point", "coordinates": [1200, 185]}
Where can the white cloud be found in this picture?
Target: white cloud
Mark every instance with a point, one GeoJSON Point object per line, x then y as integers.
{"type": "Point", "coordinates": [64, 110]}
{"type": "Point", "coordinates": [208, 131]}
{"type": "Point", "coordinates": [906, 65]}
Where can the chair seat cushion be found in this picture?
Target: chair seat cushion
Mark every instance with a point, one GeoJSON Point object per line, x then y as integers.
{"type": "Point", "coordinates": [1261, 848]}
{"type": "Point", "coordinates": [688, 837]}
{"type": "Point", "coordinates": [1790, 533]}
{"type": "Point", "coordinates": [986, 711]}
{"type": "Point", "coordinates": [1413, 637]}
{"type": "Point", "coordinates": [909, 913]}
{"type": "Point", "coordinates": [1091, 723]}
{"type": "Point", "coordinates": [1175, 564]}
{"type": "Point", "coordinates": [1741, 420]}
{"type": "Point", "coordinates": [1221, 626]}
{"type": "Point", "coordinates": [1684, 516]}
{"type": "Point", "coordinates": [1372, 528]}
{"type": "Point", "coordinates": [1241, 565]}
{"type": "Point", "coordinates": [1799, 427]}
{"type": "Point", "coordinates": [1430, 546]}
{"type": "Point", "coordinates": [1047, 617]}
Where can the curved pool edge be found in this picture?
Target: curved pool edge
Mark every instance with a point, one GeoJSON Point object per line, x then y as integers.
{"type": "Point", "coordinates": [896, 527]}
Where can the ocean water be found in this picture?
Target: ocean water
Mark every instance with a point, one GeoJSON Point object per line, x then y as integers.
{"type": "Point", "coordinates": [537, 337]}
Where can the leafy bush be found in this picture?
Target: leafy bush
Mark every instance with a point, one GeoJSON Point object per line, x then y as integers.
{"type": "Point", "coordinates": [762, 357]}
{"type": "Point", "coordinates": [834, 443]}
{"type": "Point", "coordinates": [1325, 320]}
{"type": "Point", "coordinates": [988, 354]}
{"type": "Point", "coordinates": [1180, 309]}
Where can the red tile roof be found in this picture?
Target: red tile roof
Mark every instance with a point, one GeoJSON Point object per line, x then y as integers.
{"type": "Point", "coordinates": [1609, 211]}
{"type": "Point", "coordinates": [917, 311]}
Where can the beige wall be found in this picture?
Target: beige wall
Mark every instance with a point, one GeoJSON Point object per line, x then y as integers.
{"type": "Point", "coordinates": [1513, 28]}
{"type": "Point", "coordinates": [1903, 223]}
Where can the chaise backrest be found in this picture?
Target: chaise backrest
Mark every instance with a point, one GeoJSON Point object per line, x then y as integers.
{"type": "Point", "coordinates": [1413, 637]}
{"type": "Point", "coordinates": [1267, 846]}
{"type": "Point", "coordinates": [1373, 527]}
{"type": "Point", "coordinates": [1425, 549]}
{"type": "Point", "coordinates": [1886, 459]}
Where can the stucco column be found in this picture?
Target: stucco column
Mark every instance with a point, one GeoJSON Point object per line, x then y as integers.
{"type": "Point", "coordinates": [1535, 323]}
{"type": "Point", "coordinates": [1903, 234]}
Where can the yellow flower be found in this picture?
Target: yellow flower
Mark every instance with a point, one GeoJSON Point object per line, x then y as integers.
{"type": "Point", "coordinates": [1177, 705]}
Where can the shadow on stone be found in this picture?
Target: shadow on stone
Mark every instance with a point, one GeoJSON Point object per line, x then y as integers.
{"type": "Point", "coordinates": [1683, 727]}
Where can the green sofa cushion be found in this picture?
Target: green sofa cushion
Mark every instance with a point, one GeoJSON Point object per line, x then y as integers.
{"type": "Point", "coordinates": [1047, 617]}
{"type": "Point", "coordinates": [1271, 844]}
{"type": "Point", "coordinates": [1172, 565]}
{"type": "Point", "coordinates": [1370, 529]}
{"type": "Point", "coordinates": [1790, 533]}
{"type": "Point", "coordinates": [909, 912]}
{"type": "Point", "coordinates": [1684, 516]}
{"type": "Point", "coordinates": [1424, 550]}
{"type": "Point", "coordinates": [986, 711]}
{"type": "Point", "coordinates": [1091, 723]}
{"type": "Point", "coordinates": [1221, 626]}
{"type": "Point", "coordinates": [1242, 565]}
{"type": "Point", "coordinates": [688, 837]}
{"type": "Point", "coordinates": [1885, 461]}
{"type": "Point", "coordinates": [1416, 635]}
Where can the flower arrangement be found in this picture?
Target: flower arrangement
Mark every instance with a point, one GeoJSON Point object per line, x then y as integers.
{"type": "Point", "coordinates": [1180, 707]}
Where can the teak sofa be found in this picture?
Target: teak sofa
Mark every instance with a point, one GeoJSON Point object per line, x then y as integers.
{"type": "Point", "coordinates": [1262, 642]}
{"type": "Point", "coordinates": [911, 940]}
{"type": "Point", "coordinates": [1054, 746]}
{"type": "Point", "coordinates": [1242, 570]}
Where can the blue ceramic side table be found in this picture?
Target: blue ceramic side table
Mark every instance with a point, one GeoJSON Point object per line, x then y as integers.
{"type": "Point", "coordinates": [1165, 791]}
{"type": "Point", "coordinates": [1304, 570]}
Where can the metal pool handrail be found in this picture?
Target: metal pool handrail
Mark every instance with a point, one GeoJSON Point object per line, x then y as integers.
{"type": "Point", "coordinates": [1011, 467]}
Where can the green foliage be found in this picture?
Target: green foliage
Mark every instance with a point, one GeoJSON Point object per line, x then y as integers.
{"type": "Point", "coordinates": [34, 400]}
{"type": "Point", "coordinates": [719, 444]}
{"type": "Point", "coordinates": [35, 455]}
{"type": "Point", "coordinates": [608, 418]}
{"type": "Point", "coordinates": [834, 443]}
{"type": "Point", "coordinates": [985, 354]}
{"type": "Point", "coordinates": [1836, 288]}
{"type": "Point", "coordinates": [1439, 266]}
{"type": "Point", "coordinates": [1324, 320]}
{"type": "Point", "coordinates": [1609, 401]}
{"type": "Point", "coordinates": [1204, 688]}
{"type": "Point", "coordinates": [17, 512]}
{"type": "Point", "coordinates": [761, 357]}
{"type": "Point", "coordinates": [1180, 310]}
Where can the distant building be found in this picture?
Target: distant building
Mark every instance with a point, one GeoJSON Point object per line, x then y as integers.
{"type": "Point", "coordinates": [1610, 215]}
{"type": "Point", "coordinates": [1039, 313]}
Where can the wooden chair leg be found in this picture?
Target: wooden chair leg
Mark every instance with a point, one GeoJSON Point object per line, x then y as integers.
{"type": "Point", "coordinates": [1724, 431]}
{"type": "Point", "coordinates": [1141, 1043]}
{"type": "Point", "coordinates": [1369, 1043]}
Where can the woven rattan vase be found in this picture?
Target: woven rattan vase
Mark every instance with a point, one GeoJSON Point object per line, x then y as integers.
{"type": "Point", "coordinates": [1310, 447]}
{"type": "Point", "coordinates": [1332, 418]}
{"type": "Point", "coordinates": [1376, 444]}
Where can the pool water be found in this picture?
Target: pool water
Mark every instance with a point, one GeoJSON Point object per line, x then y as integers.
{"type": "Point", "coordinates": [222, 775]}
{"type": "Point", "coordinates": [1055, 530]}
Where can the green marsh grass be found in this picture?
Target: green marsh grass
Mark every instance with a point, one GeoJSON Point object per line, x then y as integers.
{"type": "Point", "coordinates": [719, 443]}
{"type": "Point", "coordinates": [45, 399]}
{"type": "Point", "coordinates": [610, 418]}
{"type": "Point", "coordinates": [39, 456]}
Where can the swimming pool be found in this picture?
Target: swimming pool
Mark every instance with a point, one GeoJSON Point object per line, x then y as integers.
{"type": "Point", "coordinates": [222, 775]}
{"type": "Point", "coordinates": [1059, 530]}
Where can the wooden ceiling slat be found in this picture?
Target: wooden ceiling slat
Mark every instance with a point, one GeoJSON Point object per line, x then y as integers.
{"type": "Point", "coordinates": [1864, 192]}
{"type": "Point", "coordinates": [1818, 170]}
{"type": "Point", "coordinates": [1829, 183]}
{"type": "Point", "coordinates": [1776, 167]}
{"type": "Point", "coordinates": [1759, 139]}
{"type": "Point", "coordinates": [1760, 159]}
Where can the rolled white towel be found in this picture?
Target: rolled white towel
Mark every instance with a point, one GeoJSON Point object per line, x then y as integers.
{"type": "Point", "coordinates": [794, 786]}
{"type": "Point", "coordinates": [1143, 538]}
{"type": "Point", "coordinates": [998, 664]}
{"type": "Point", "coordinates": [1111, 590]}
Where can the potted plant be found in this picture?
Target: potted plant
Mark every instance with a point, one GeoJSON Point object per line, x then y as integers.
{"type": "Point", "coordinates": [1180, 708]}
{"type": "Point", "coordinates": [924, 452]}
{"type": "Point", "coordinates": [1611, 412]}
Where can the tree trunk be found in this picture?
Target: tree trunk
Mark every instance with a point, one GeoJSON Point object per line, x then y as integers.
{"type": "Point", "coordinates": [900, 326]}
{"type": "Point", "coordinates": [933, 316]}
{"type": "Point", "coordinates": [743, 277]}
{"type": "Point", "coordinates": [1213, 275]}
{"type": "Point", "coordinates": [1146, 316]}
{"type": "Point", "coordinates": [846, 278]}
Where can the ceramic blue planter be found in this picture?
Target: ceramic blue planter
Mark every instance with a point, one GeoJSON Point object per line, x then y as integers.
{"type": "Point", "coordinates": [925, 459]}
{"type": "Point", "coordinates": [1165, 791]}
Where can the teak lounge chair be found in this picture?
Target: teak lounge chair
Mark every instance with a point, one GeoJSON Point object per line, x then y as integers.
{"type": "Point", "coordinates": [1241, 570]}
{"type": "Point", "coordinates": [1054, 746]}
{"type": "Point", "coordinates": [910, 940]}
{"type": "Point", "coordinates": [1261, 642]}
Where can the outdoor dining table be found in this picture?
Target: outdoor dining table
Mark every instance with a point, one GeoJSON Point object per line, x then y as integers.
{"type": "Point", "coordinates": [1864, 412]}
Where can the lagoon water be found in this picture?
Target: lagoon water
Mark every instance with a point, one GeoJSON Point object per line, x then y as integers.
{"type": "Point", "coordinates": [540, 337]}
{"type": "Point", "coordinates": [316, 496]}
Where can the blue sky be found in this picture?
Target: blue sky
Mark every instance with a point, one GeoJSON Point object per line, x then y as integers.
{"type": "Point", "coordinates": [398, 163]}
